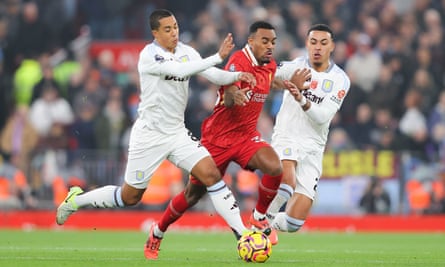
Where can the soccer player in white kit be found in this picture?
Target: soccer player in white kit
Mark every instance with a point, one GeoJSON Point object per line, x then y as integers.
{"type": "Point", "coordinates": [159, 132]}
{"type": "Point", "coordinates": [302, 126]}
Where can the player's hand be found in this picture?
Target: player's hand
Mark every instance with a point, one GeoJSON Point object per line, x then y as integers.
{"type": "Point", "coordinates": [301, 78]}
{"type": "Point", "coordinates": [226, 46]}
{"type": "Point", "coordinates": [247, 77]}
{"type": "Point", "coordinates": [242, 96]}
{"type": "Point", "coordinates": [293, 90]}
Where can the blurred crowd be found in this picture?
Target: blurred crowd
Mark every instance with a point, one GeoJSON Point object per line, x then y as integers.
{"type": "Point", "coordinates": [65, 115]}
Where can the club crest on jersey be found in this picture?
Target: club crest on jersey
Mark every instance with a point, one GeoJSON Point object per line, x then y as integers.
{"type": "Point", "coordinates": [232, 68]}
{"type": "Point", "coordinates": [287, 151]}
{"type": "Point", "coordinates": [159, 58]}
{"type": "Point", "coordinates": [139, 175]}
{"type": "Point", "coordinates": [184, 58]}
{"type": "Point", "coordinates": [327, 85]}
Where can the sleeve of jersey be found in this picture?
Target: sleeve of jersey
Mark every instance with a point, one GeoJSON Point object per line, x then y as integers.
{"type": "Point", "coordinates": [285, 70]}
{"type": "Point", "coordinates": [150, 65]}
{"type": "Point", "coordinates": [324, 112]}
{"type": "Point", "coordinates": [220, 77]}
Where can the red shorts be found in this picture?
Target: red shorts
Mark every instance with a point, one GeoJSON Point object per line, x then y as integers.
{"type": "Point", "coordinates": [240, 153]}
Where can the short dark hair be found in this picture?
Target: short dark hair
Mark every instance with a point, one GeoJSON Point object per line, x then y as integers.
{"type": "Point", "coordinates": [260, 25]}
{"type": "Point", "coordinates": [321, 27]}
{"type": "Point", "coordinates": [157, 15]}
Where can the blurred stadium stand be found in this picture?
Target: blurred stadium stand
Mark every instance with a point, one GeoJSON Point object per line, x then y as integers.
{"type": "Point", "coordinates": [88, 50]}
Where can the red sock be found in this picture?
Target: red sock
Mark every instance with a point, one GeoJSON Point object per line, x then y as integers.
{"type": "Point", "coordinates": [267, 189]}
{"type": "Point", "coordinates": [177, 206]}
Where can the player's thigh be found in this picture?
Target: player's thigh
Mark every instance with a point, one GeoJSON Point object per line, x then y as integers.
{"type": "Point", "coordinates": [190, 155]}
{"type": "Point", "coordinates": [206, 171]}
{"type": "Point", "coordinates": [186, 150]}
{"type": "Point", "coordinates": [147, 150]}
{"type": "Point", "coordinates": [255, 154]}
{"type": "Point", "coordinates": [308, 174]}
{"type": "Point", "coordinates": [289, 169]}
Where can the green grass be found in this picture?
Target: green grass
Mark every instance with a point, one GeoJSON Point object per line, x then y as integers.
{"type": "Point", "coordinates": [112, 248]}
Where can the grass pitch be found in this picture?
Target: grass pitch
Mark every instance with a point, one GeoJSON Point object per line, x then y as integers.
{"type": "Point", "coordinates": [116, 248]}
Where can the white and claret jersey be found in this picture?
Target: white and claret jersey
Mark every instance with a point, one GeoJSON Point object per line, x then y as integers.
{"type": "Point", "coordinates": [327, 91]}
{"type": "Point", "coordinates": [164, 79]}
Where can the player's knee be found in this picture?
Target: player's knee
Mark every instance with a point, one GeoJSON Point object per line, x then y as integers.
{"type": "Point", "coordinates": [275, 170]}
{"type": "Point", "coordinates": [193, 193]}
{"type": "Point", "coordinates": [210, 177]}
{"type": "Point", "coordinates": [131, 200]}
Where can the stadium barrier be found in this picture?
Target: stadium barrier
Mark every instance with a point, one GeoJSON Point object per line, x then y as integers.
{"type": "Point", "coordinates": [137, 220]}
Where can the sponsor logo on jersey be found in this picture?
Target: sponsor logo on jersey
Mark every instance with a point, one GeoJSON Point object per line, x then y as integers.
{"type": "Point", "coordinates": [339, 97]}
{"type": "Point", "coordinates": [139, 175]}
{"type": "Point", "coordinates": [249, 94]}
{"type": "Point", "coordinates": [327, 85]}
{"type": "Point", "coordinates": [313, 98]}
{"type": "Point", "coordinates": [176, 79]}
{"type": "Point", "coordinates": [159, 58]}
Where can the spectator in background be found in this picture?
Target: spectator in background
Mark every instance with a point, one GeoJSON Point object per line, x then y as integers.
{"type": "Point", "coordinates": [31, 39]}
{"type": "Point", "coordinates": [364, 65]}
{"type": "Point", "coordinates": [15, 193]}
{"type": "Point", "coordinates": [50, 115]}
{"type": "Point", "coordinates": [384, 134]}
{"type": "Point", "coordinates": [436, 127]}
{"type": "Point", "coordinates": [423, 82]}
{"type": "Point", "coordinates": [111, 122]}
{"type": "Point", "coordinates": [413, 125]}
{"type": "Point", "coordinates": [18, 138]}
{"type": "Point", "coordinates": [360, 131]}
{"type": "Point", "coordinates": [375, 199]}
{"type": "Point", "coordinates": [47, 79]}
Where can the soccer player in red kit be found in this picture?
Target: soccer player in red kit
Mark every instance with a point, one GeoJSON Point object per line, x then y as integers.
{"type": "Point", "coordinates": [230, 134]}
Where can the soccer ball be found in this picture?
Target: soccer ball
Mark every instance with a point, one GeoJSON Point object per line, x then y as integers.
{"type": "Point", "coordinates": [254, 247]}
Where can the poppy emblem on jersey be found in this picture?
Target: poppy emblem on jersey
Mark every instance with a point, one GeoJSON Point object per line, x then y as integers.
{"type": "Point", "coordinates": [287, 151]}
{"type": "Point", "coordinates": [232, 67]}
{"type": "Point", "coordinates": [159, 58]}
{"type": "Point", "coordinates": [341, 94]}
{"type": "Point", "coordinates": [327, 86]}
{"type": "Point", "coordinates": [184, 58]}
{"type": "Point", "coordinates": [314, 84]}
{"type": "Point", "coordinates": [139, 175]}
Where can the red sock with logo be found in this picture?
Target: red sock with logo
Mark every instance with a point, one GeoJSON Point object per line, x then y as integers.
{"type": "Point", "coordinates": [267, 189]}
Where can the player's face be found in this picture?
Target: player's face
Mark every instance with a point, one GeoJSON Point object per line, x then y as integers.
{"type": "Point", "coordinates": [167, 34]}
{"type": "Point", "coordinates": [262, 44]}
{"type": "Point", "coordinates": [320, 46]}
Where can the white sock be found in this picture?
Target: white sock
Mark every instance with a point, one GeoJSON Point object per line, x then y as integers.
{"type": "Point", "coordinates": [157, 232]}
{"type": "Point", "coordinates": [285, 192]}
{"type": "Point", "coordinates": [226, 205]}
{"type": "Point", "coordinates": [258, 215]}
{"type": "Point", "coordinates": [103, 197]}
{"type": "Point", "coordinates": [285, 223]}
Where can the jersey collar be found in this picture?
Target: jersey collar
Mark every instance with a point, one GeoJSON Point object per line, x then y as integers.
{"type": "Point", "coordinates": [249, 54]}
{"type": "Point", "coordinates": [328, 69]}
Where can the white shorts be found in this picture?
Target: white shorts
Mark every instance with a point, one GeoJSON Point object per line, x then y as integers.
{"type": "Point", "coordinates": [309, 164]}
{"type": "Point", "coordinates": [149, 148]}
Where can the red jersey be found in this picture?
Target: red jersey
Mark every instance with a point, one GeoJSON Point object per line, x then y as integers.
{"type": "Point", "coordinates": [232, 125]}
